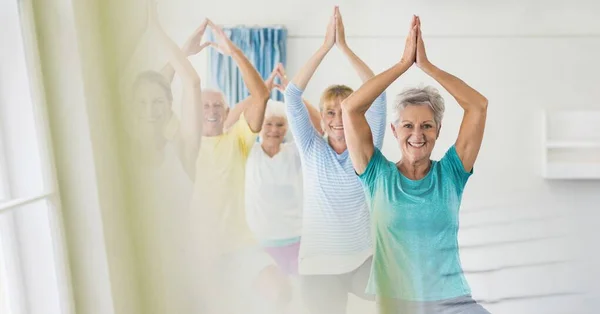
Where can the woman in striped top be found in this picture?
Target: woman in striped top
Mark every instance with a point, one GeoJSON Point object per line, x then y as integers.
{"type": "Point", "coordinates": [335, 252]}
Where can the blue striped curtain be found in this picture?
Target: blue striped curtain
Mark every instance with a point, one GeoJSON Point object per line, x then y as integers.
{"type": "Point", "coordinates": [264, 47]}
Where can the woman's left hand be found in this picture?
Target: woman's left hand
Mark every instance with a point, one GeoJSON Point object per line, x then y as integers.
{"type": "Point", "coordinates": [340, 33]}
{"type": "Point", "coordinates": [422, 60]}
{"type": "Point", "coordinates": [193, 45]}
{"type": "Point", "coordinates": [282, 77]}
{"type": "Point", "coordinates": [270, 81]}
{"type": "Point", "coordinates": [223, 44]}
{"type": "Point", "coordinates": [410, 45]}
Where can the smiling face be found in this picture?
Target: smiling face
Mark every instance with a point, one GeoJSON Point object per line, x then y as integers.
{"type": "Point", "coordinates": [273, 131]}
{"type": "Point", "coordinates": [331, 111]}
{"type": "Point", "coordinates": [331, 115]}
{"type": "Point", "coordinates": [416, 132]}
{"type": "Point", "coordinates": [215, 112]}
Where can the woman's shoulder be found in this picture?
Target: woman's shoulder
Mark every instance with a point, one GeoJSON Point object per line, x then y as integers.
{"type": "Point", "coordinates": [379, 168]}
{"type": "Point", "coordinates": [319, 148]}
{"type": "Point", "coordinates": [383, 162]}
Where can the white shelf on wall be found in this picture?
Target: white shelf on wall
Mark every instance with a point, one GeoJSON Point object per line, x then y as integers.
{"type": "Point", "coordinates": [569, 170]}
{"type": "Point", "coordinates": [571, 144]}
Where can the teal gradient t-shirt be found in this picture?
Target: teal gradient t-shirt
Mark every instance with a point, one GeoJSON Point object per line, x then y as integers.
{"type": "Point", "coordinates": [415, 228]}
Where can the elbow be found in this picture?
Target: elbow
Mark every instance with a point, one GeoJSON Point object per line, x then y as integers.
{"type": "Point", "coordinates": [348, 107]}
{"type": "Point", "coordinates": [263, 95]}
{"type": "Point", "coordinates": [483, 103]}
{"type": "Point", "coordinates": [345, 105]}
{"type": "Point", "coordinates": [255, 126]}
{"type": "Point", "coordinates": [480, 104]}
{"type": "Point", "coordinates": [264, 98]}
{"type": "Point", "coordinates": [288, 94]}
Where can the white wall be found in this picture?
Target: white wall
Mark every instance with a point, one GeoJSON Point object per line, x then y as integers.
{"type": "Point", "coordinates": [524, 57]}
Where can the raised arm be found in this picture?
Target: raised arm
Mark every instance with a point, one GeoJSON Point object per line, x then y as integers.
{"type": "Point", "coordinates": [376, 115]}
{"type": "Point", "coordinates": [473, 103]}
{"type": "Point", "coordinates": [363, 70]}
{"type": "Point", "coordinates": [315, 117]}
{"type": "Point", "coordinates": [356, 129]}
{"type": "Point", "coordinates": [192, 111]}
{"type": "Point", "coordinates": [191, 47]}
{"type": "Point", "coordinates": [234, 114]}
{"type": "Point", "coordinates": [168, 72]}
{"type": "Point", "coordinates": [259, 93]}
{"type": "Point", "coordinates": [299, 116]}
{"type": "Point", "coordinates": [301, 78]}
{"type": "Point", "coordinates": [126, 73]}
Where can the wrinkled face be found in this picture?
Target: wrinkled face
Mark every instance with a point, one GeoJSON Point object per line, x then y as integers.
{"type": "Point", "coordinates": [215, 112]}
{"type": "Point", "coordinates": [273, 130]}
{"type": "Point", "coordinates": [416, 132]}
{"type": "Point", "coordinates": [152, 109]}
{"type": "Point", "coordinates": [331, 114]}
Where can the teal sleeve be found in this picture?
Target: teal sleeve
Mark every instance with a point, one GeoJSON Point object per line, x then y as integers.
{"type": "Point", "coordinates": [453, 167]}
{"type": "Point", "coordinates": [369, 177]}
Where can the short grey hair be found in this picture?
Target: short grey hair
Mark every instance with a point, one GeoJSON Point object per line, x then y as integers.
{"type": "Point", "coordinates": [419, 96]}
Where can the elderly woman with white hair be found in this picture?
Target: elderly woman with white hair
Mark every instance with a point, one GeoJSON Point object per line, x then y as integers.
{"type": "Point", "coordinates": [415, 202]}
{"type": "Point", "coordinates": [274, 190]}
{"type": "Point", "coordinates": [274, 184]}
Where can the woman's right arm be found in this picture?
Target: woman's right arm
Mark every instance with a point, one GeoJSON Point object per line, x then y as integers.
{"type": "Point", "coordinates": [126, 73]}
{"type": "Point", "coordinates": [298, 115]}
{"type": "Point", "coordinates": [192, 47]}
{"type": "Point", "coordinates": [301, 78]}
{"type": "Point", "coordinates": [236, 112]}
{"type": "Point", "coordinates": [192, 110]}
{"type": "Point", "coordinates": [315, 117]}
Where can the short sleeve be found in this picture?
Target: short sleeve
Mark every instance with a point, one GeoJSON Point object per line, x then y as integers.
{"type": "Point", "coordinates": [242, 132]}
{"type": "Point", "coordinates": [453, 166]}
{"type": "Point", "coordinates": [376, 165]}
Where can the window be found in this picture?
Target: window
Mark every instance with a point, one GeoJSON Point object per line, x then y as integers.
{"type": "Point", "coordinates": [32, 257]}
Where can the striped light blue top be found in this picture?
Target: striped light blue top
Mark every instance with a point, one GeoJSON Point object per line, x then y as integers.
{"type": "Point", "coordinates": [336, 221]}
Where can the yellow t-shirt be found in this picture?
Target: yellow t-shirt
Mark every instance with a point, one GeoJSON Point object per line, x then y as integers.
{"type": "Point", "coordinates": [218, 196]}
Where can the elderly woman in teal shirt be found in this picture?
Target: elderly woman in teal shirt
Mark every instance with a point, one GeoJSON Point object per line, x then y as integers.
{"type": "Point", "coordinates": [415, 202]}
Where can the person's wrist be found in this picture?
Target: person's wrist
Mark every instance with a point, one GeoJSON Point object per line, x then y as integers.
{"type": "Point", "coordinates": [235, 50]}
{"type": "Point", "coordinates": [426, 66]}
{"type": "Point", "coordinates": [405, 63]}
{"type": "Point", "coordinates": [325, 48]}
{"type": "Point", "coordinates": [343, 46]}
{"type": "Point", "coordinates": [186, 50]}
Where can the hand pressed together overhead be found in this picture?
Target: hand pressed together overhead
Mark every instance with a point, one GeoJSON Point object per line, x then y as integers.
{"type": "Point", "coordinates": [194, 44]}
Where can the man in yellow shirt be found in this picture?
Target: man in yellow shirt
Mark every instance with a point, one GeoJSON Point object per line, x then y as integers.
{"type": "Point", "coordinates": [238, 267]}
